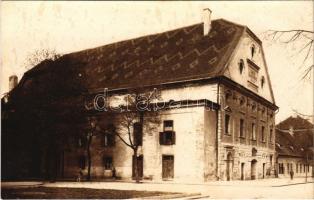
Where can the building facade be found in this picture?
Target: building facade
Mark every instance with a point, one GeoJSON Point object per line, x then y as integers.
{"type": "Point", "coordinates": [219, 115]}
{"type": "Point", "coordinates": [222, 126]}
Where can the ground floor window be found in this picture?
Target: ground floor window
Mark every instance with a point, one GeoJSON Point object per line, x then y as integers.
{"type": "Point", "coordinates": [304, 168]}
{"type": "Point", "coordinates": [108, 162]}
{"type": "Point", "coordinates": [297, 168]}
{"type": "Point", "coordinates": [82, 162]}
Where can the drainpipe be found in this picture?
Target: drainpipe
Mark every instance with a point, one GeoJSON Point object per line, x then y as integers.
{"type": "Point", "coordinates": [216, 145]}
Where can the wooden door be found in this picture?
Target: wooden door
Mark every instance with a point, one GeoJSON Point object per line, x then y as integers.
{"type": "Point", "coordinates": [139, 167]}
{"type": "Point", "coordinates": [242, 171]}
{"type": "Point", "coordinates": [253, 169]}
{"type": "Point", "coordinates": [167, 167]}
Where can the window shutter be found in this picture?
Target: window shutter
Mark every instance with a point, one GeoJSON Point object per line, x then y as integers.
{"type": "Point", "coordinates": [173, 137]}
{"type": "Point", "coordinates": [160, 137]}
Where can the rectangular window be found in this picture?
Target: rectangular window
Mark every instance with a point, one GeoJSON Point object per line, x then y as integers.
{"type": "Point", "coordinates": [108, 163]}
{"type": "Point", "coordinates": [263, 134]}
{"type": "Point", "coordinates": [167, 138]}
{"type": "Point", "coordinates": [253, 131]}
{"type": "Point", "coordinates": [304, 168]}
{"type": "Point", "coordinates": [242, 128]}
{"type": "Point", "coordinates": [109, 140]}
{"type": "Point", "coordinates": [227, 124]}
{"type": "Point", "coordinates": [288, 168]}
{"type": "Point", "coordinates": [137, 134]}
{"type": "Point", "coordinates": [168, 125]}
{"type": "Point", "coordinates": [271, 135]}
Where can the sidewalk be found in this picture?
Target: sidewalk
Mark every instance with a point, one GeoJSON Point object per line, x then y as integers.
{"type": "Point", "coordinates": [265, 188]}
{"type": "Point", "coordinates": [128, 184]}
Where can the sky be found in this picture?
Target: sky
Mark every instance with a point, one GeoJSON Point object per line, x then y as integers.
{"type": "Point", "coordinates": [73, 26]}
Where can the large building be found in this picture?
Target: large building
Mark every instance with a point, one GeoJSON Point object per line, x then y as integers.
{"type": "Point", "coordinates": [220, 117]}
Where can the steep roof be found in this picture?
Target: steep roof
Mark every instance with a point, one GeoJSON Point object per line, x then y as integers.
{"type": "Point", "coordinates": [176, 55]}
{"type": "Point", "coordinates": [294, 142]}
{"type": "Point", "coordinates": [295, 122]}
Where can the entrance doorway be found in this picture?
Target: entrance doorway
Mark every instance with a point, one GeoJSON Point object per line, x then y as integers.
{"type": "Point", "coordinates": [253, 169]}
{"type": "Point", "coordinates": [229, 166]}
{"type": "Point", "coordinates": [242, 171]}
{"type": "Point", "coordinates": [264, 164]}
{"type": "Point", "coordinates": [139, 166]}
{"type": "Point", "coordinates": [167, 167]}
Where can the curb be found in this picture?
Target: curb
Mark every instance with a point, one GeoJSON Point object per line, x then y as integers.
{"type": "Point", "coordinates": [172, 196]}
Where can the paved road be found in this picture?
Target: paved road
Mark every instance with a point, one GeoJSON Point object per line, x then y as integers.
{"type": "Point", "coordinates": [269, 188]}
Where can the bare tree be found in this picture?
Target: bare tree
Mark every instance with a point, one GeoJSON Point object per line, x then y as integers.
{"type": "Point", "coordinates": [38, 56]}
{"type": "Point", "coordinates": [306, 37]}
{"type": "Point", "coordinates": [132, 119]}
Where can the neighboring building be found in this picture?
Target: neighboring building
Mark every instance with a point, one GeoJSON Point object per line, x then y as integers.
{"type": "Point", "coordinates": [294, 147]}
{"type": "Point", "coordinates": [221, 118]}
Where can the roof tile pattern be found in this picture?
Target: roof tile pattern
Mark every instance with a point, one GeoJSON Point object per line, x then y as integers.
{"type": "Point", "coordinates": [299, 141]}
{"type": "Point", "coordinates": [176, 55]}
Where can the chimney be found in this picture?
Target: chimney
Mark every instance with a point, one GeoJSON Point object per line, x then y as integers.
{"type": "Point", "coordinates": [13, 80]}
{"type": "Point", "coordinates": [206, 20]}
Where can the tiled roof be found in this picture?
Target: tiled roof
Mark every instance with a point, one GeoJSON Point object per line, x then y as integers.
{"type": "Point", "coordinates": [296, 141]}
{"type": "Point", "coordinates": [176, 55]}
{"type": "Point", "coordinates": [295, 122]}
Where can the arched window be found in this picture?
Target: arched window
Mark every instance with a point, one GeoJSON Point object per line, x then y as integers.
{"type": "Point", "coordinates": [241, 66]}
{"type": "Point", "coordinates": [262, 81]}
{"type": "Point", "coordinates": [252, 50]}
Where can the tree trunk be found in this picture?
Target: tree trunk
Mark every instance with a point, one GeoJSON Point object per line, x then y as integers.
{"type": "Point", "coordinates": [137, 178]}
{"type": "Point", "coordinates": [89, 160]}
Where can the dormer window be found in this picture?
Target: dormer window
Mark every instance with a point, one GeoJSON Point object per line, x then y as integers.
{"type": "Point", "coordinates": [262, 81]}
{"type": "Point", "coordinates": [241, 66]}
{"type": "Point", "coordinates": [253, 50]}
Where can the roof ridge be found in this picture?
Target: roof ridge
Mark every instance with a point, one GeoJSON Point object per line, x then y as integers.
{"type": "Point", "coordinates": [155, 34]}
